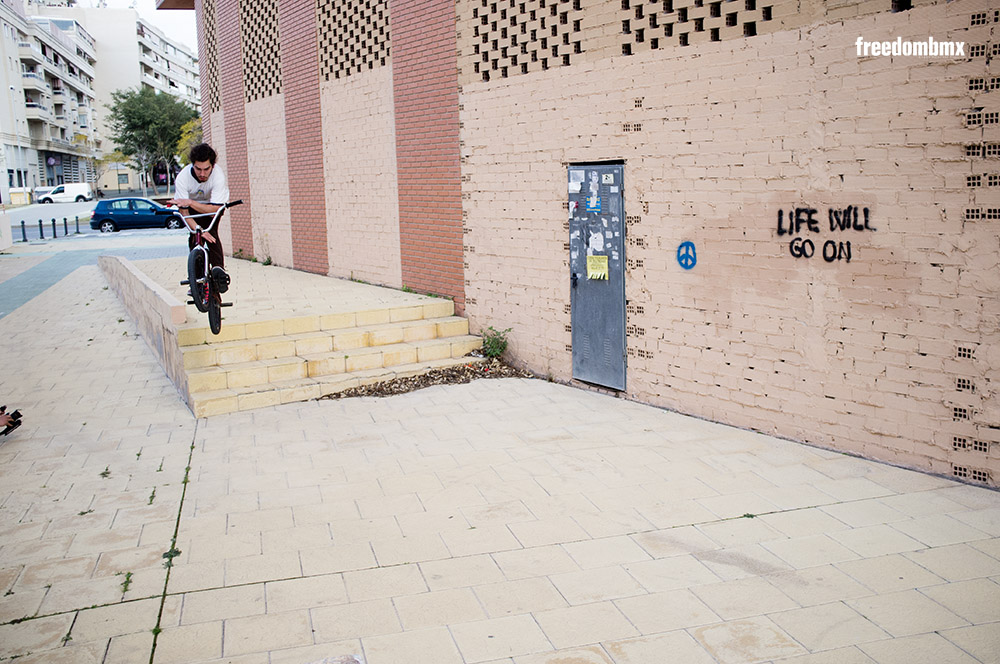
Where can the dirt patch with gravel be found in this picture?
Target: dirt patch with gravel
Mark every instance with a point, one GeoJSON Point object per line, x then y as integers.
{"type": "Point", "coordinates": [462, 373]}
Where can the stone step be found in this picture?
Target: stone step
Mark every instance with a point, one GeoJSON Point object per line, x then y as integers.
{"type": "Point", "coordinates": [321, 341]}
{"type": "Point", "coordinates": [195, 334]}
{"type": "Point", "coordinates": [230, 400]}
{"type": "Point", "coordinates": [252, 373]}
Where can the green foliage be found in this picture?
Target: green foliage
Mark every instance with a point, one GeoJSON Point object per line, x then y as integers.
{"type": "Point", "coordinates": [191, 135]}
{"type": "Point", "coordinates": [147, 126]}
{"type": "Point", "coordinates": [495, 341]}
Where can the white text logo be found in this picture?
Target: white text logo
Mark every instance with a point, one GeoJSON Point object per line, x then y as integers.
{"type": "Point", "coordinates": [927, 49]}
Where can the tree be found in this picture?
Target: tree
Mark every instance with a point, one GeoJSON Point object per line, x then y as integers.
{"type": "Point", "coordinates": [101, 165]}
{"type": "Point", "coordinates": [146, 126]}
{"type": "Point", "coordinates": [191, 135]}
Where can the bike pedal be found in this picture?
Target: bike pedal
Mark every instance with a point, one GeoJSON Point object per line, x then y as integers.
{"type": "Point", "coordinates": [190, 301]}
{"type": "Point", "coordinates": [225, 304]}
{"type": "Point", "coordinates": [185, 282]}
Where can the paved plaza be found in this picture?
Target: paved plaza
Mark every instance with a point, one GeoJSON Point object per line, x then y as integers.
{"type": "Point", "coordinates": [504, 521]}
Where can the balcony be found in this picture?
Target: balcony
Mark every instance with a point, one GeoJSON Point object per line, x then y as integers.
{"type": "Point", "coordinates": [28, 52]}
{"type": "Point", "coordinates": [32, 81]}
{"type": "Point", "coordinates": [37, 112]}
{"type": "Point", "coordinates": [59, 96]}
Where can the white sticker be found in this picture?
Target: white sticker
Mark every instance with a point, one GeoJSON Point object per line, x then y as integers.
{"type": "Point", "coordinates": [574, 235]}
{"type": "Point", "coordinates": [613, 190]}
{"type": "Point", "coordinates": [614, 255]}
{"type": "Point", "coordinates": [596, 242]}
{"type": "Point", "coordinates": [607, 178]}
{"type": "Point", "coordinates": [577, 176]}
{"type": "Point", "coordinates": [574, 187]}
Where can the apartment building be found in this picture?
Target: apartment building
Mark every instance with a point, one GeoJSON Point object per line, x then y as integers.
{"type": "Point", "coordinates": [130, 53]}
{"type": "Point", "coordinates": [47, 126]}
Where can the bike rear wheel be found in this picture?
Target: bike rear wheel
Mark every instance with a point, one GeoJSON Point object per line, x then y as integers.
{"type": "Point", "coordinates": [198, 280]}
{"type": "Point", "coordinates": [215, 314]}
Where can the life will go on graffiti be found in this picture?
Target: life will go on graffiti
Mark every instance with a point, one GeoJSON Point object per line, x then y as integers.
{"type": "Point", "coordinates": [799, 220]}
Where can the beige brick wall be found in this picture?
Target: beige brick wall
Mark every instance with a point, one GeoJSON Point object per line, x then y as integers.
{"type": "Point", "coordinates": [360, 171]}
{"type": "Point", "coordinates": [267, 155]}
{"type": "Point", "coordinates": [867, 356]}
{"type": "Point", "coordinates": [217, 139]}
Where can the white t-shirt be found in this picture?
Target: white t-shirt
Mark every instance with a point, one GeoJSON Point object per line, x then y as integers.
{"type": "Point", "coordinates": [214, 190]}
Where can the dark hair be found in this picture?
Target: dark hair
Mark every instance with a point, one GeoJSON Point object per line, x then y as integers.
{"type": "Point", "coordinates": [202, 152]}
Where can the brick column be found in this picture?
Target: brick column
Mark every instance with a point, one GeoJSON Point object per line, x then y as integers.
{"type": "Point", "coordinates": [425, 92]}
{"type": "Point", "coordinates": [206, 112]}
{"type": "Point", "coordinates": [304, 134]}
{"type": "Point", "coordinates": [227, 29]}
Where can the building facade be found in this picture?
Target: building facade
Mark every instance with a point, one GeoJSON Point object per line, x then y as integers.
{"type": "Point", "coordinates": [787, 230]}
{"type": "Point", "coordinates": [130, 53]}
{"type": "Point", "coordinates": [48, 123]}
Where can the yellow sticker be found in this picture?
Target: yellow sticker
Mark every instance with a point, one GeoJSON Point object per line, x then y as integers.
{"type": "Point", "coordinates": [597, 267]}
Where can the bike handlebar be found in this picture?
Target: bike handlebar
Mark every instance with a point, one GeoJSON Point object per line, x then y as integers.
{"type": "Point", "coordinates": [215, 216]}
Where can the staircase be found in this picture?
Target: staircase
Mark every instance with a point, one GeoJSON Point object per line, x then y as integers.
{"type": "Point", "coordinates": [269, 362]}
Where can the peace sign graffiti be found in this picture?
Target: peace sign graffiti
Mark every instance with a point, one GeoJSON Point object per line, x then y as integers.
{"type": "Point", "coordinates": [686, 255]}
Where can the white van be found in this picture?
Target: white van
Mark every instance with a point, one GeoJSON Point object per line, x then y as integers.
{"type": "Point", "coordinates": [66, 193]}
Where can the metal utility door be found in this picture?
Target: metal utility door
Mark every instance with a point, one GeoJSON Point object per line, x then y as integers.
{"type": "Point", "coordinates": [597, 273]}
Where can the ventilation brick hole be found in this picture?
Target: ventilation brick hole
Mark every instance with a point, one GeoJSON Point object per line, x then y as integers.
{"type": "Point", "coordinates": [632, 219]}
{"type": "Point", "coordinates": [972, 214]}
{"type": "Point", "coordinates": [565, 246]}
{"type": "Point", "coordinates": [751, 5]}
{"type": "Point", "coordinates": [635, 331]}
{"type": "Point", "coordinates": [731, 20]}
{"type": "Point", "coordinates": [977, 84]}
{"type": "Point", "coordinates": [714, 35]}
{"type": "Point", "coordinates": [470, 300]}
{"type": "Point", "coordinates": [974, 181]}
{"type": "Point", "coordinates": [977, 51]}
{"type": "Point", "coordinates": [961, 414]}
{"type": "Point", "coordinates": [644, 354]}
{"type": "Point", "coordinates": [637, 241]}
{"type": "Point", "coordinates": [634, 263]}
{"type": "Point", "coordinates": [974, 118]}
{"type": "Point", "coordinates": [766, 13]}
{"type": "Point", "coordinates": [965, 352]}
{"type": "Point", "coordinates": [354, 36]}
{"type": "Point", "coordinates": [991, 150]}
{"type": "Point", "coordinates": [569, 348]}
{"type": "Point", "coordinates": [961, 443]}
{"type": "Point", "coordinates": [750, 29]}
{"type": "Point", "coordinates": [635, 309]}
{"type": "Point", "coordinates": [645, 207]}
{"type": "Point", "coordinates": [973, 150]}
{"type": "Point", "coordinates": [959, 471]}
{"type": "Point", "coordinates": [682, 39]}
{"type": "Point", "coordinates": [993, 180]}
{"type": "Point", "coordinates": [979, 18]}
{"type": "Point", "coordinates": [901, 5]}
{"type": "Point", "coordinates": [638, 102]}
{"type": "Point", "coordinates": [630, 352]}
{"type": "Point", "coordinates": [992, 117]}
{"type": "Point", "coordinates": [567, 309]}
{"type": "Point", "coordinates": [965, 385]}
{"type": "Point", "coordinates": [979, 475]}
{"type": "Point", "coordinates": [568, 328]}
{"type": "Point", "coordinates": [993, 213]}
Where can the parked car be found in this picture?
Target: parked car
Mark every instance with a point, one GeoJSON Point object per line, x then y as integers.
{"type": "Point", "coordinates": [65, 193]}
{"type": "Point", "coordinates": [115, 214]}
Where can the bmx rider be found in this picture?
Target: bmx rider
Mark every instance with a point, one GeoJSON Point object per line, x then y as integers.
{"type": "Point", "coordinates": [201, 188]}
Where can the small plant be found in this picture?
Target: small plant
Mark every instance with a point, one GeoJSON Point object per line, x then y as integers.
{"type": "Point", "coordinates": [126, 582]}
{"type": "Point", "coordinates": [160, 469]}
{"type": "Point", "coordinates": [152, 496]}
{"type": "Point", "coordinates": [121, 320]}
{"type": "Point", "coordinates": [267, 261]}
{"type": "Point", "coordinates": [138, 454]}
{"type": "Point", "coordinates": [238, 253]}
{"type": "Point", "coordinates": [170, 555]}
{"type": "Point", "coordinates": [495, 341]}
{"type": "Point", "coordinates": [66, 639]}
{"type": "Point", "coordinates": [156, 630]}
{"type": "Point", "coordinates": [84, 513]}
{"type": "Point", "coordinates": [106, 473]}
{"type": "Point", "coordinates": [407, 289]}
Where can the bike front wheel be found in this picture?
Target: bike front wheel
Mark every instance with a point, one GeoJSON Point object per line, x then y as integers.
{"type": "Point", "coordinates": [215, 314]}
{"type": "Point", "coordinates": [198, 279]}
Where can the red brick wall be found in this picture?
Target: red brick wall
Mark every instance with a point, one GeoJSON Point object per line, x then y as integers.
{"type": "Point", "coordinates": [206, 112]}
{"type": "Point", "coordinates": [304, 135]}
{"type": "Point", "coordinates": [231, 87]}
{"type": "Point", "coordinates": [425, 90]}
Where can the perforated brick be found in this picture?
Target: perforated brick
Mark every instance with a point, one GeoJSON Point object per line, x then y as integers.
{"type": "Point", "coordinates": [514, 37]}
{"type": "Point", "coordinates": [353, 36]}
{"type": "Point", "coordinates": [261, 48]}
{"type": "Point", "coordinates": [211, 57]}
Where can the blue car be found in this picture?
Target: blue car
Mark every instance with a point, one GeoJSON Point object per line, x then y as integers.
{"type": "Point", "coordinates": [116, 214]}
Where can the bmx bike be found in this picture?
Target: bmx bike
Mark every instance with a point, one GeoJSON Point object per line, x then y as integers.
{"type": "Point", "coordinates": [205, 295]}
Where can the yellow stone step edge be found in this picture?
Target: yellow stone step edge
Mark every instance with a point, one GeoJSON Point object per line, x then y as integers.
{"type": "Point", "coordinates": [195, 334]}
{"type": "Point", "coordinates": [261, 372]}
{"type": "Point", "coordinates": [304, 343]}
{"type": "Point", "coordinates": [220, 402]}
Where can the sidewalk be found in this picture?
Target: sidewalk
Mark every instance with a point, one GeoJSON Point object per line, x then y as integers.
{"type": "Point", "coordinates": [504, 521]}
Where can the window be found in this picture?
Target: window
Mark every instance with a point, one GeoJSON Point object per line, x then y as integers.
{"type": "Point", "coordinates": [121, 205]}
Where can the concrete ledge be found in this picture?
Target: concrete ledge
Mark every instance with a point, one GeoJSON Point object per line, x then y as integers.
{"type": "Point", "coordinates": [156, 312]}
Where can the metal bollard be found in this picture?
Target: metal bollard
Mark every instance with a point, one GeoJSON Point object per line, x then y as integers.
{"type": "Point", "coordinates": [65, 227]}
{"type": "Point", "coordinates": [41, 231]}
{"type": "Point", "coordinates": [24, 233]}
{"type": "Point", "coordinates": [78, 225]}
{"type": "Point", "coordinates": [53, 228]}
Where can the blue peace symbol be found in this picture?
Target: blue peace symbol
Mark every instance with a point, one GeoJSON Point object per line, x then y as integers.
{"type": "Point", "coordinates": [686, 255]}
